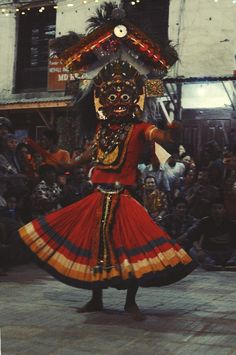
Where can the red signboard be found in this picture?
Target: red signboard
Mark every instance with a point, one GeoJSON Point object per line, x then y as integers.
{"type": "Point", "coordinates": [58, 75]}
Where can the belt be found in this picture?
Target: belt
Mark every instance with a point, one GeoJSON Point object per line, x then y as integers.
{"type": "Point", "coordinates": [111, 188]}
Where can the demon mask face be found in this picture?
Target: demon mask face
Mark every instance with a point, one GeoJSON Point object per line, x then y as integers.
{"type": "Point", "coordinates": [119, 92]}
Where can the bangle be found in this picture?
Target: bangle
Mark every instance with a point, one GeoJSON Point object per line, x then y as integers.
{"type": "Point", "coordinates": [150, 131]}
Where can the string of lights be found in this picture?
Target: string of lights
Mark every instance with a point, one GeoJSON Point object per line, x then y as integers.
{"type": "Point", "coordinates": [21, 8]}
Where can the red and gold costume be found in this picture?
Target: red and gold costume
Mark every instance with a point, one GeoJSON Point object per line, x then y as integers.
{"type": "Point", "coordinates": [108, 238]}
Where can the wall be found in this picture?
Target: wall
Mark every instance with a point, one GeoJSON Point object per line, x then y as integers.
{"type": "Point", "coordinates": [7, 54]}
{"type": "Point", "coordinates": [204, 33]}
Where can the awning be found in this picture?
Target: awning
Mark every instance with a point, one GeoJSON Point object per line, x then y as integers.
{"type": "Point", "coordinates": [35, 103]}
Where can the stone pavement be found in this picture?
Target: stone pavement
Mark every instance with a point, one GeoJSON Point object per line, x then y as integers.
{"type": "Point", "coordinates": [194, 316]}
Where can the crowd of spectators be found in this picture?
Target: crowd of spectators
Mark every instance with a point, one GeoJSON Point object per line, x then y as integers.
{"type": "Point", "coordinates": [194, 201]}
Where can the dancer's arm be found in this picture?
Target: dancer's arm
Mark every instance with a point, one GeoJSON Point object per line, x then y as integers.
{"type": "Point", "coordinates": [160, 136]}
{"type": "Point", "coordinates": [48, 156]}
{"type": "Point", "coordinates": [84, 157]}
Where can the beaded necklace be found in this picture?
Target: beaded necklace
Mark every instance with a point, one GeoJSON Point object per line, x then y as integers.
{"type": "Point", "coordinates": [110, 144]}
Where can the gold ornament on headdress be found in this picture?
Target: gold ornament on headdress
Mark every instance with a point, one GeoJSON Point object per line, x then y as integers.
{"type": "Point", "coordinates": [154, 88]}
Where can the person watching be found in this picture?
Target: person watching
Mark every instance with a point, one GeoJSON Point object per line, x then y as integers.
{"type": "Point", "coordinates": [153, 199]}
{"type": "Point", "coordinates": [215, 240]}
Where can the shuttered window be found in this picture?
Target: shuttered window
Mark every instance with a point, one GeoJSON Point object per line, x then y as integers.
{"type": "Point", "coordinates": [34, 32]}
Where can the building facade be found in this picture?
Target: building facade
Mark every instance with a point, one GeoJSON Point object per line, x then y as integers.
{"type": "Point", "coordinates": [201, 87]}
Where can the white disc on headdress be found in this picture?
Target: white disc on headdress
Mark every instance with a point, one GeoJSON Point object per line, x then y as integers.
{"type": "Point", "coordinates": [120, 31]}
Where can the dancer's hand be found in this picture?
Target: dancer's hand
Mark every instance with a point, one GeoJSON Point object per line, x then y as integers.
{"type": "Point", "coordinates": [174, 130]}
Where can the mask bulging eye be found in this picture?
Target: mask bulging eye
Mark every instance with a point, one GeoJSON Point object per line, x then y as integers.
{"type": "Point", "coordinates": [112, 97]}
{"type": "Point", "coordinates": [125, 97]}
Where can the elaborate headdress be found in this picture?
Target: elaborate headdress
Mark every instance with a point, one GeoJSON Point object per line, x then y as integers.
{"type": "Point", "coordinates": [109, 47]}
{"type": "Point", "coordinates": [114, 34]}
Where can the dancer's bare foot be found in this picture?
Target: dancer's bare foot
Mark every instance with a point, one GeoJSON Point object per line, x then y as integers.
{"type": "Point", "coordinates": [135, 312]}
{"type": "Point", "coordinates": [91, 306]}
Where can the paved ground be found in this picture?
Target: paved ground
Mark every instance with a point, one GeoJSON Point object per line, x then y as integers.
{"type": "Point", "coordinates": [194, 316]}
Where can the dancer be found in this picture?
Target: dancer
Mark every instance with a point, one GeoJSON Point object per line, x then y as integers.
{"type": "Point", "coordinates": [108, 239]}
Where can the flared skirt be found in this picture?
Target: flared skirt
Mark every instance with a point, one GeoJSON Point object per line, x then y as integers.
{"type": "Point", "coordinates": [106, 240]}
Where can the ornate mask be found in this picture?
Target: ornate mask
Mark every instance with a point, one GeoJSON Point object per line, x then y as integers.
{"type": "Point", "coordinates": [119, 92]}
